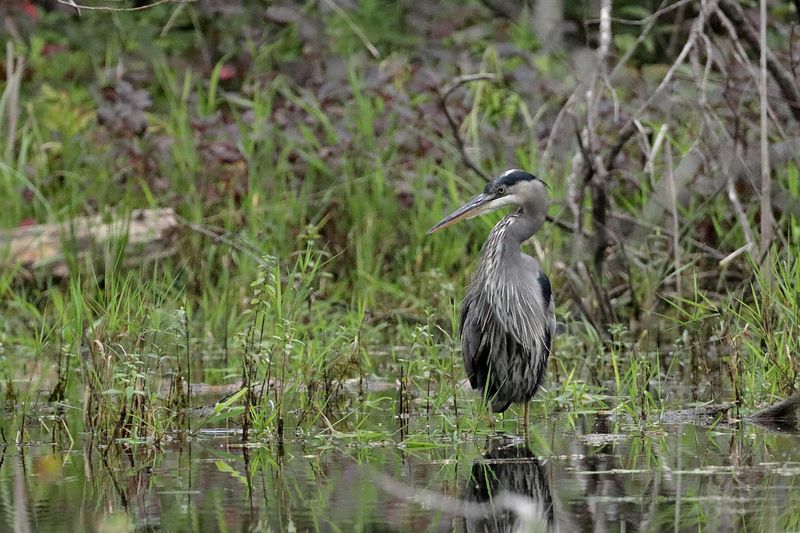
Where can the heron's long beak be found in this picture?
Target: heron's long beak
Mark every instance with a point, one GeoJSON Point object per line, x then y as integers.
{"type": "Point", "coordinates": [471, 209]}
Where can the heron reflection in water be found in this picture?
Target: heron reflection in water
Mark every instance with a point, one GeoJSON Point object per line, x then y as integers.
{"type": "Point", "coordinates": [514, 484]}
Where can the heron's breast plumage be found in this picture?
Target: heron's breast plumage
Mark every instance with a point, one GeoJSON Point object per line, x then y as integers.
{"type": "Point", "coordinates": [508, 284]}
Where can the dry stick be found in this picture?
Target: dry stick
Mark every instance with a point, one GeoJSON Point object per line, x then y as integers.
{"type": "Point", "coordinates": [226, 238]}
{"type": "Point", "coordinates": [555, 128]}
{"type": "Point", "coordinates": [583, 168]}
{"type": "Point", "coordinates": [628, 130]}
{"type": "Point", "coordinates": [651, 17]}
{"type": "Point", "coordinates": [673, 196]}
{"type": "Point", "coordinates": [783, 77]}
{"type": "Point", "coordinates": [560, 224]}
{"type": "Point", "coordinates": [648, 21]}
{"type": "Point", "coordinates": [733, 196]}
{"type": "Point", "coordinates": [680, 17]}
{"type": "Point", "coordinates": [443, 96]}
{"type": "Point", "coordinates": [741, 55]}
{"type": "Point", "coordinates": [766, 185]}
{"type": "Point", "coordinates": [624, 137]}
{"type": "Point", "coordinates": [13, 77]}
{"type": "Point", "coordinates": [602, 53]}
{"type": "Point", "coordinates": [651, 21]}
{"type": "Point", "coordinates": [696, 31]}
{"type": "Point", "coordinates": [574, 285]}
{"type": "Point", "coordinates": [574, 197]}
{"type": "Point", "coordinates": [736, 253]}
{"type": "Point", "coordinates": [529, 512]}
{"type": "Point", "coordinates": [600, 195]}
{"type": "Point", "coordinates": [355, 29]}
{"type": "Point", "coordinates": [713, 252]}
{"type": "Point", "coordinates": [603, 167]}
{"type": "Point", "coordinates": [78, 7]}
{"type": "Point", "coordinates": [649, 167]}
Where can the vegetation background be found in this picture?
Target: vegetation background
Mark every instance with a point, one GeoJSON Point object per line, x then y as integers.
{"type": "Point", "coordinates": [303, 148]}
{"type": "Point", "coordinates": [213, 250]}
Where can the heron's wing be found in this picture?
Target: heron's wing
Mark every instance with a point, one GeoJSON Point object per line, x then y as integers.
{"type": "Point", "coordinates": [550, 313]}
{"type": "Point", "coordinates": [474, 351]}
{"type": "Point", "coordinates": [507, 337]}
{"type": "Point", "coordinates": [483, 340]}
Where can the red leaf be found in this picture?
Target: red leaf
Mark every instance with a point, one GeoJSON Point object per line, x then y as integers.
{"type": "Point", "coordinates": [30, 9]}
{"type": "Point", "coordinates": [227, 72]}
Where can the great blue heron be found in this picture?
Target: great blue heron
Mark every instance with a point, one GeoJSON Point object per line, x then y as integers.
{"type": "Point", "coordinates": [507, 318]}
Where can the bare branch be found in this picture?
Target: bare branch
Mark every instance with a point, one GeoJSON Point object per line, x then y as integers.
{"type": "Point", "coordinates": [733, 196]}
{"type": "Point", "coordinates": [736, 253]}
{"type": "Point", "coordinates": [355, 29]}
{"type": "Point", "coordinates": [766, 185]}
{"type": "Point", "coordinates": [444, 94]}
{"type": "Point", "coordinates": [676, 242]}
{"type": "Point", "coordinates": [649, 19]}
{"type": "Point", "coordinates": [14, 71]}
{"type": "Point", "coordinates": [696, 31]}
{"type": "Point", "coordinates": [79, 7]}
{"type": "Point", "coordinates": [783, 78]}
{"type": "Point", "coordinates": [224, 237]}
{"type": "Point", "coordinates": [528, 511]}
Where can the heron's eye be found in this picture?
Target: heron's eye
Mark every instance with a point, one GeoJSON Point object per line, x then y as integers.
{"type": "Point", "coordinates": [502, 189]}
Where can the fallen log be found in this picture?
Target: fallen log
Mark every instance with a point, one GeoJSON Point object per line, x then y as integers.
{"type": "Point", "coordinates": [781, 415]}
{"type": "Point", "coordinates": [146, 234]}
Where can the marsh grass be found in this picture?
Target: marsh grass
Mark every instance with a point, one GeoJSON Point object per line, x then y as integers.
{"type": "Point", "coordinates": [351, 291]}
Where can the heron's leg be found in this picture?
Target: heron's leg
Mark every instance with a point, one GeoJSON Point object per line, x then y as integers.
{"type": "Point", "coordinates": [525, 418]}
{"type": "Point", "coordinates": [491, 420]}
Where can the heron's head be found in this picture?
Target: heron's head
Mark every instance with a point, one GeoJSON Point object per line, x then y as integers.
{"type": "Point", "coordinates": [512, 187]}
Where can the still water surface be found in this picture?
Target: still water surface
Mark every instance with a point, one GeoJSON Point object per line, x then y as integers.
{"type": "Point", "coordinates": [578, 473]}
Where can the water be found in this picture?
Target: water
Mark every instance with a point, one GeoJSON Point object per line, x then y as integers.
{"type": "Point", "coordinates": [583, 472]}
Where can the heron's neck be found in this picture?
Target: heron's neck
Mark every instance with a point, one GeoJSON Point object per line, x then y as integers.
{"type": "Point", "coordinates": [522, 225]}
{"type": "Point", "coordinates": [502, 248]}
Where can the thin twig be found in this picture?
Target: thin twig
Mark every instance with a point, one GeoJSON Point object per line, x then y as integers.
{"type": "Point", "coordinates": [78, 7]}
{"type": "Point", "coordinates": [555, 128]}
{"type": "Point", "coordinates": [444, 94]}
{"type": "Point", "coordinates": [733, 196]}
{"type": "Point", "coordinates": [694, 33]}
{"type": "Point", "coordinates": [590, 164]}
{"type": "Point", "coordinates": [575, 287]}
{"type": "Point", "coordinates": [605, 31]}
{"type": "Point", "coordinates": [529, 511]}
{"type": "Point", "coordinates": [713, 252]}
{"type": "Point", "coordinates": [741, 55]}
{"type": "Point", "coordinates": [355, 29]}
{"type": "Point", "coordinates": [673, 195]}
{"type": "Point", "coordinates": [651, 21]}
{"type": "Point", "coordinates": [649, 18]}
{"type": "Point", "coordinates": [736, 253]}
{"type": "Point", "coordinates": [783, 78]}
{"type": "Point", "coordinates": [14, 78]}
{"type": "Point", "coordinates": [766, 184]}
{"type": "Point", "coordinates": [581, 164]}
{"type": "Point", "coordinates": [649, 167]}
{"type": "Point", "coordinates": [225, 238]}
{"type": "Point", "coordinates": [624, 136]}
{"type": "Point", "coordinates": [557, 222]}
